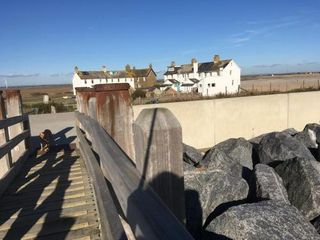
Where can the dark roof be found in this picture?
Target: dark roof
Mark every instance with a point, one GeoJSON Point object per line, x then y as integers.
{"type": "Point", "coordinates": [202, 67]}
{"type": "Point", "coordinates": [187, 84]}
{"type": "Point", "coordinates": [212, 67]}
{"type": "Point", "coordinates": [92, 74]}
{"type": "Point", "coordinates": [173, 80]}
{"type": "Point", "coordinates": [115, 74]}
{"type": "Point", "coordinates": [194, 80]}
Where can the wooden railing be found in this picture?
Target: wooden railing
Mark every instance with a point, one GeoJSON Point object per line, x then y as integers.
{"type": "Point", "coordinates": [147, 215]}
{"type": "Point", "coordinates": [12, 156]}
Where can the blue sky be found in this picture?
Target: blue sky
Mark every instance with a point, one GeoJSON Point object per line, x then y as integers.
{"type": "Point", "coordinates": [41, 40]}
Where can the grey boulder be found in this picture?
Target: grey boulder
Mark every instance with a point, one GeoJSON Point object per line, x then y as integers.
{"type": "Point", "coordinates": [301, 178]}
{"type": "Point", "coordinates": [238, 149]}
{"type": "Point", "coordinates": [274, 220]}
{"type": "Point", "coordinates": [208, 189]}
{"type": "Point", "coordinates": [308, 138]}
{"type": "Point", "coordinates": [268, 184]}
{"type": "Point", "coordinates": [215, 159]}
{"type": "Point", "coordinates": [277, 146]}
{"type": "Point", "coordinates": [191, 157]}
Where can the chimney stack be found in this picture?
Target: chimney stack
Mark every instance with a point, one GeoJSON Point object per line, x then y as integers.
{"type": "Point", "coordinates": [127, 67]}
{"type": "Point", "coordinates": [216, 59]}
{"type": "Point", "coordinates": [194, 65]}
{"type": "Point", "coordinates": [173, 64]}
{"type": "Point", "coordinates": [104, 68]}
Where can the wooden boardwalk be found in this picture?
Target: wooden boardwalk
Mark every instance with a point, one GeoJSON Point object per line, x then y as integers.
{"type": "Point", "coordinates": [51, 198]}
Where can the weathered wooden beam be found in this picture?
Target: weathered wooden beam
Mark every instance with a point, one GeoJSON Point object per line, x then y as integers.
{"type": "Point", "coordinates": [147, 215]}
{"type": "Point", "coordinates": [6, 161]}
{"type": "Point", "coordinates": [158, 147]}
{"type": "Point", "coordinates": [7, 179]}
{"type": "Point", "coordinates": [83, 97]}
{"type": "Point", "coordinates": [14, 108]}
{"type": "Point", "coordinates": [7, 122]}
{"type": "Point", "coordinates": [115, 114]}
{"type": "Point", "coordinates": [8, 146]}
{"type": "Point", "coordinates": [111, 227]}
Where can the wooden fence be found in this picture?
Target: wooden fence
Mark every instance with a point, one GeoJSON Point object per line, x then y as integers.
{"type": "Point", "coordinates": [14, 137]}
{"type": "Point", "coordinates": [121, 186]}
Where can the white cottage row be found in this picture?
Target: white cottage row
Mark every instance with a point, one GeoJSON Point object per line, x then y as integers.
{"type": "Point", "coordinates": [208, 78]}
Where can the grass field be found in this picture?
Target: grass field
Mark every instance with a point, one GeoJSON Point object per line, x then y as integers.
{"type": "Point", "coordinates": [62, 95]}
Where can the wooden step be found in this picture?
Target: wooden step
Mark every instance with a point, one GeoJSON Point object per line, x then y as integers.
{"type": "Point", "coordinates": [54, 168]}
{"type": "Point", "coordinates": [58, 226]}
{"type": "Point", "coordinates": [59, 203]}
{"type": "Point", "coordinates": [70, 184]}
{"type": "Point", "coordinates": [45, 181]}
{"type": "Point", "coordinates": [64, 191]}
{"type": "Point", "coordinates": [31, 198]}
{"type": "Point", "coordinates": [87, 233]}
{"type": "Point", "coordinates": [42, 217]}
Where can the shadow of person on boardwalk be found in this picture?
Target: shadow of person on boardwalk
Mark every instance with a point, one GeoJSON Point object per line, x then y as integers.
{"type": "Point", "coordinates": [32, 205]}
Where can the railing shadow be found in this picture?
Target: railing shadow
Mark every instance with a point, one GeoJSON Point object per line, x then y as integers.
{"type": "Point", "coordinates": [29, 205]}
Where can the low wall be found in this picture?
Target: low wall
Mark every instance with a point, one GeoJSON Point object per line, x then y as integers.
{"type": "Point", "coordinates": [208, 122]}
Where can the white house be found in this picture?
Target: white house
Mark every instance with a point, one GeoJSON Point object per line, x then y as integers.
{"type": "Point", "coordinates": [208, 78]}
{"type": "Point", "coordinates": [136, 78]}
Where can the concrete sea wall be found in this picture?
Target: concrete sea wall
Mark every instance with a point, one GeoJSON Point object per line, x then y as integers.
{"type": "Point", "coordinates": [208, 122]}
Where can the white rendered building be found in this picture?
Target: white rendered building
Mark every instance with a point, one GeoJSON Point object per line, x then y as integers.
{"type": "Point", "coordinates": [208, 78]}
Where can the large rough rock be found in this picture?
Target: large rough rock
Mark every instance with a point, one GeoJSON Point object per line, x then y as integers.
{"type": "Point", "coordinates": [308, 138]}
{"type": "Point", "coordinates": [276, 147]}
{"type": "Point", "coordinates": [290, 131]}
{"type": "Point", "coordinates": [209, 190]}
{"type": "Point", "coordinates": [216, 159]}
{"type": "Point", "coordinates": [238, 149]}
{"type": "Point", "coordinates": [191, 157]}
{"type": "Point", "coordinates": [301, 178]}
{"type": "Point", "coordinates": [264, 220]}
{"type": "Point", "coordinates": [268, 184]}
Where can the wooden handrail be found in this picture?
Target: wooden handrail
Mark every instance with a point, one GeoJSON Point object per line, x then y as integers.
{"type": "Point", "coordinates": [147, 215]}
{"type": "Point", "coordinates": [5, 148]}
{"type": "Point", "coordinates": [13, 120]}
{"type": "Point", "coordinates": [111, 227]}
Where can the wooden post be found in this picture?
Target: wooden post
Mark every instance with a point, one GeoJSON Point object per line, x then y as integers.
{"type": "Point", "coordinates": [14, 108]}
{"type": "Point", "coordinates": [83, 96]}
{"type": "Point", "coordinates": [158, 147]}
{"type": "Point", "coordinates": [115, 114]}
{"type": "Point", "coordinates": [6, 161]}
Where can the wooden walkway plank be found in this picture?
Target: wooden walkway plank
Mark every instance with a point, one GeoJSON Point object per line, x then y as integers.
{"type": "Point", "coordinates": [51, 198]}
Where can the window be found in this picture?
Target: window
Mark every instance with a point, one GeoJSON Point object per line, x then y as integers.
{"type": "Point", "coordinates": [230, 72]}
{"type": "Point", "coordinates": [213, 84]}
{"type": "Point", "coordinates": [85, 81]}
{"type": "Point", "coordinates": [100, 80]}
{"type": "Point", "coordinates": [208, 84]}
{"type": "Point", "coordinates": [92, 81]}
{"type": "Point", "coordinates": [200, 85]}
{"type": "Point", "coordinates": [232, 82]}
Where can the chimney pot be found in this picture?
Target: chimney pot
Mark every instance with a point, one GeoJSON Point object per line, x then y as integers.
{"type": "Point", "coordinates": [216, 59]}
{"type": "Point", "coordinates": [76, 69]}
{"type": "Point", "coordinates": [173, 64]}
{"type": "Point", "coordinates": [104, 68]}
{"type": "Point", "coordinates": [127, 67]}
